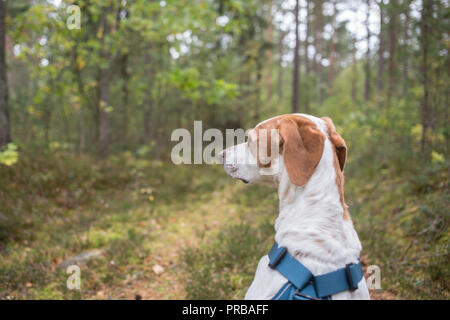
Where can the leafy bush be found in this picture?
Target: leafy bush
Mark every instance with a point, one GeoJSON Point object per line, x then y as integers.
{"type": "Point", "coordinates": [9, 156]}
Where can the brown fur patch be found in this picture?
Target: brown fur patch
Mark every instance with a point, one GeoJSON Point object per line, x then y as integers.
{"type": "Point", "coordinates": [340, 155]}
{"type": "Point", "coordinates": [338, 141]}
{"type": "Point", "coordinates": [301, 144]}
{"type": "Point", "coordinates": [258, 148]}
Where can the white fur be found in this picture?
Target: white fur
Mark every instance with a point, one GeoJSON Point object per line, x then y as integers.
{"type": "Point", "coordinates": [310, 221]}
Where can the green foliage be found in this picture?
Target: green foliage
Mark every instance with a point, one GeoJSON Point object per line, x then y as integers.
{"type": "Point", "coordinates": [10, 155]}
{"type": "Point", "coordinates": [225, 267]}
{"type": "Point", "coordinates": [403, 225]}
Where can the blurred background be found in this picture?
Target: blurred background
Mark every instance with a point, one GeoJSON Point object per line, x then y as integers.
{"type": "Point", "coordinates": [86, 116]}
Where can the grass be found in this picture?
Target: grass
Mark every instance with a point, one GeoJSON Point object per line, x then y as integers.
{"type": "Point", "coordinates": [206, 230]}
{"type": "Point", "coordinates": [403, 225]}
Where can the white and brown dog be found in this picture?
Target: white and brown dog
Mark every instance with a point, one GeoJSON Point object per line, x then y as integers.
{"type": "Point", "coordinates": [313, 222]}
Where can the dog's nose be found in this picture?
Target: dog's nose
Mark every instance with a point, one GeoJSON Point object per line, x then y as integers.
{"type": "Point", "coordinates": [222, 156]}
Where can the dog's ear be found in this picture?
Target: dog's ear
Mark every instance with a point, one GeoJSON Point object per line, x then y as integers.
{"type": "Point", "coordinates": [338, 141]}
{"type": "Point", "coordinates": [302, 146]}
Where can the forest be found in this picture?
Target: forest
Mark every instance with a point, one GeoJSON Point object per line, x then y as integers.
{"type": "Point", "coordinates": [91, 90]}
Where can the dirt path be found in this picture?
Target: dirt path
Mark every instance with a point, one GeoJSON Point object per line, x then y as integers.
{"type": "Point", "coordinates": [186, 227]}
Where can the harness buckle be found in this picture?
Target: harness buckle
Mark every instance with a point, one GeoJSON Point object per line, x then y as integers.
{"type": "Point", "coordinates": [300, 294]}
{"type": "Point", "coordinates": [348, 274]}
{"type": "Point", "coordinates": [280, 254]}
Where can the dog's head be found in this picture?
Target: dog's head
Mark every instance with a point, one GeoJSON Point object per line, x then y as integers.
{"type": "Point", "coordinates": [293, 143]}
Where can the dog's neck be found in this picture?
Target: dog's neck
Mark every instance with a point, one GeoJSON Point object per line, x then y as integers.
{"type": "Point", "coordinates": [311, 220]}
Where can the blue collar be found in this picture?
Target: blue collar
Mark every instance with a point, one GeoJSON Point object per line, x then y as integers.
{"type": "Point", "coordinates": [303, 284]}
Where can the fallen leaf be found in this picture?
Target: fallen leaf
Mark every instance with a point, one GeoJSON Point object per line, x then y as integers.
{"type": "Point", "coordinates": [157, 269]}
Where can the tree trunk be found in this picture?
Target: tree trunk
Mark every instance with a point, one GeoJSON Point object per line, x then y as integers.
{"type": "Point", "coordinates": [354, 72]}
{"type": "Point", "coordinates": [308, 35]}
{"type": "Point", "coordinates": [269, 53]}
{"type": "Point", "coordinates": [425, 106]}
{"type": "Point", "coordinates": [392, 62]}
{"type": "Point", "coordinates": [318, 27]}
{"type": "Point", "coordinates": [5, 126]}
{"type": "Point", "coordinates": [125, 78]}
{"type": "Point", "coordinates": [258, 88]}
{"type": "Point", "coordinates": [296, 80]}
{"type": "Point", "coordinates": [148, 101]}
{"type": "Point", "coordinates": [406, 48]}
{"type": "Point", "coordinates": [103, 116]}
{"type": "Point", "coordinates": [380, 82]}
{"type": "Point", "coordinates": [307, 44]}
{"type": "Point", "coordinates": [280, 66]}
{"type": "Point", "coordinates": [367, 87]}
{"type": "Point", "coordinates": [332, 52]}
{"type": "Point", "coordinates": [317, 35]}
{"type": "Point", "coordinates": [81, 131]}
{"type": "Point", "coordinates": [47, 114]}
{"type": "Point", "coordinates": [125, 75]}
{"type": "Point", "coordinates": [104, 77]}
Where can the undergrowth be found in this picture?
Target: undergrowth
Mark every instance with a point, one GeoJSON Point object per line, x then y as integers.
{"type": "Point", "coordinates": [207, 230]}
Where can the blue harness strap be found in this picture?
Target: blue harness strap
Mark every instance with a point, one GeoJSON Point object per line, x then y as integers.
{"type": "Point", "coordinates": [303, 285]}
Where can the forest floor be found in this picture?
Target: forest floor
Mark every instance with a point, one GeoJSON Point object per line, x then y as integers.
{"type": "Point", "coordinates": [154, 231]}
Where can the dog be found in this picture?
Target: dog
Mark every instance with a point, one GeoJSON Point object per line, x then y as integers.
{"type": "Point", "coordinates": [313, 222]}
